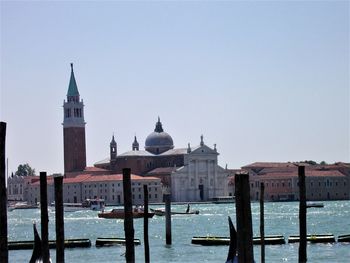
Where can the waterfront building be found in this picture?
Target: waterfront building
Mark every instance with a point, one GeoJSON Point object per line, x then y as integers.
{"type": "Point", "coordinates": [17, 187]}
{"type": "Point", "coordinates": [323, 182]}
{"type": "Point", "coordinates": [108, 187]}
{"type": "Point", "coordinates": [190, 174]}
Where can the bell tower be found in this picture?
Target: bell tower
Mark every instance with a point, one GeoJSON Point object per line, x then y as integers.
{"type": "Point", "coordinates": [73, 129]}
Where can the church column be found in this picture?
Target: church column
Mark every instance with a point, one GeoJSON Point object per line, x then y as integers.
{"type": "Point", "coordinates": [215, 178]}
{"type": "Point", "coordinates": [196, 181]}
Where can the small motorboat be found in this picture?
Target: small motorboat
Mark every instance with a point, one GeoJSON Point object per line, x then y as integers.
{"type": "Point", "coordinates": [88, 204]}
{"type": "Point", "coordinates": [120, 214]}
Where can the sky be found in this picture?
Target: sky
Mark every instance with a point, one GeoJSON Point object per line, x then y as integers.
{"type": "Point", "coordinates": [263, 80]}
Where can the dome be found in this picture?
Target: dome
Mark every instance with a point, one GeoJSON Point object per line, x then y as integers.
{"type": "Point", "coordinates": [158, 141]}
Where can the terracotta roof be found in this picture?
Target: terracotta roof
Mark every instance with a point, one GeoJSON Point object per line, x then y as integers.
{"type": "Point", "coordinates": [49, 180]}
{"type": "Point", "coordinates": [94, 169]}
{"type": "Point", "coordinates": [308, 173]}
{"type": "Point", "coordinates": [115, 177]}
{"type": "Point", "coordinates": [269, 165]}
{"type": "Point", "coordinates": [76, 179]}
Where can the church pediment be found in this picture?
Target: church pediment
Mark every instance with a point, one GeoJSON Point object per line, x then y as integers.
{"type": "Point", "coordinates": [203, 150]}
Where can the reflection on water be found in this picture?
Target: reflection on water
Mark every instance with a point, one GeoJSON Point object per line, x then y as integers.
{"type": "Point", "coordinates": [280, 218]}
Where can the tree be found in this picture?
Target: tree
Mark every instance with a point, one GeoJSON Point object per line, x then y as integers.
{"type": "Point", "coordinates": [25, 170]}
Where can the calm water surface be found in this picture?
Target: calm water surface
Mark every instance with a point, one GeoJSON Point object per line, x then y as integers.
{"type": "Point", "coordinates": [280, 219]}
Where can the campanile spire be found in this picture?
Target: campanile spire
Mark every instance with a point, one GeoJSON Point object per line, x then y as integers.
{"type": "Point", "coordinates": [73, 128]}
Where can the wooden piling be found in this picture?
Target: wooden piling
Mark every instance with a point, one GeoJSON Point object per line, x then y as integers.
{"type": "Point", "coordinates": [44, 218]}
{"type": "Point", "coordinates": [58, 180]}
{"type": "Point", "coordinates": [262, 223]}
{"type": "Point", "coordinates": [302, 215]}
{"type": "Point", "coordinates": [145, 223]}
{"type": "Point", "coordinates": [128, 221]}
{"type": "Point", "coordinates": [244, 218]}
{"type": "Point", "coordinates": [167, 198]}
{"type": "Point", "coordinates": [4, 256]}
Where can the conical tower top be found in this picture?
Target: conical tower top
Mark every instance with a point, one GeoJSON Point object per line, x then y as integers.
{"type": "Point", "coordinates": [72, 88]}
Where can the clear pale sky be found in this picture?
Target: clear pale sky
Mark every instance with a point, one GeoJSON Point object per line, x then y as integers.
{"type": "Point", "coordinates": [264, 80]}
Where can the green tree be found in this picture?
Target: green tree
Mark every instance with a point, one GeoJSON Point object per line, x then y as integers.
{"type": "Point", "coordinates": [25, 170]}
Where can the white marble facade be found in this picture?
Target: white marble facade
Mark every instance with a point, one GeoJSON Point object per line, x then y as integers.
{"type": "Point", "coordinates": [201, 178]}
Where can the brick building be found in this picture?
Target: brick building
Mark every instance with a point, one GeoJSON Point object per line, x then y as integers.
{"type": "Point", "coordinates": [108, 187]}
{"type": "Point", "coordinates": [323, 182]}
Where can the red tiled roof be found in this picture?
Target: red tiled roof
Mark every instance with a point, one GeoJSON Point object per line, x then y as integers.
{"type": "Point", "coordinates": [115, 177]}
{"type": "Point", "coordinates": [269, 165]}
{"type": "Point", "coordinates": [97, 178]}
{"type": "Point", "coordinates": [308, 173]}
{"type": "Point", "coordinates": [77, 179]}
{"type": "Point", "coordinates": [94, 169]}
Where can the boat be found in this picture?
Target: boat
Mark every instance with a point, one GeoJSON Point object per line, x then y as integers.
{"type": "Point", "coordinates": [22, 205]}
{"type": "Point", "coordinates": [232, 251]}
{"type": "Point", "coordinates": [223, 199]}
{"type": "Point", "coordinates": [317, 205]}
{"type": "Point", "coordinates": [120, 214]}
{"type": "Point", "coordinates": [37, 255]}
{"type": "Point", "coordinates": [161, 212]}
{"type": "Point", "coordinates": [88, 204]}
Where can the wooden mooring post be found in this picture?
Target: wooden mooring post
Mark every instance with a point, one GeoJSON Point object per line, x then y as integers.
{"type": "Point", "coordinates": [244, 218]}
{"type": "Point", "coordinates": [302, 215]}
{"type": "Point", "coordinates": [4, 255]}
{"type": "Point", "coordinates": [44, 218]}
{"type": "Point", "coordinates": [145, 223]}
{"type": "Point", "coordinates": [167, 199]}
{"type": "Point", "coordinates": [128, 221]}
{"type": "Point", "coordinates": [59, 214]}
{"type": "Point", "coordinates": [262, 223]}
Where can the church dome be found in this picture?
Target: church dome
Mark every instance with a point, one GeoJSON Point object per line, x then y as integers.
{"type": "Point", "coordinates": [158, 141]}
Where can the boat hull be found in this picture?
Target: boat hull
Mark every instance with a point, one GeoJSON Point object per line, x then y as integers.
{"type": "Point", "coordinates": [119, 214]}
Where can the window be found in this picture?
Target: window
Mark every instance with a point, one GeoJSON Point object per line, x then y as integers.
{"type": "Point", "coordinates": [139, 196]}
{"type": "Point", "coordinates": [155, 196]}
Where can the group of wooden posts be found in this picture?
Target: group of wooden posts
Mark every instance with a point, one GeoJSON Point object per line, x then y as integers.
{"type": "Point", "coordinates": [243, 215]}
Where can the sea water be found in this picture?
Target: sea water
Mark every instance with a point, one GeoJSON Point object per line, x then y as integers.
{"type": "Point", "coordinates": [280, 219]}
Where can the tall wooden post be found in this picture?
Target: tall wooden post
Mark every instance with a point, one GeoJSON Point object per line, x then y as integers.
{"type": "Point", "coordinates": [244, 218]}
{"type": "Point", "coordinates": [59, 218]}
{"type": "Point", "coordinates": [262, 224]}
{"type": "Point", "coordinates": [128, 221]}
{"type": "Point", "coordinates": [4, 255]}
{"type": "Point", "coordinates": [44, 218]}
{"type": "Point", "coordinates": [167, 198]}
{"type": "Point", "coordinates": [302, 215]}
{"type": "Point", "coordinates": [145, 223]}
